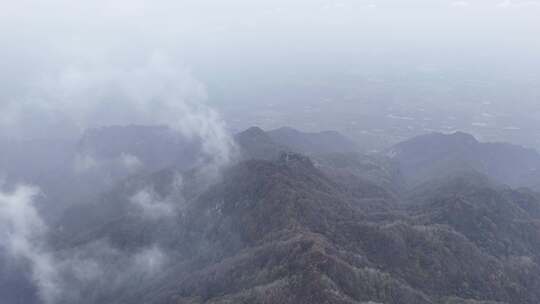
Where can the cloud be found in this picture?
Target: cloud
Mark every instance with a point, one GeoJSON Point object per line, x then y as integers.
{"type": "Point", "coordinates": [150, 260]}
{"type": "Point", "coordinates": [150, 206]}
{"type": "Point", "coordinates": [71, 275]}
{"type": "Point", "coordinates": [156, 91]}
{"type": "Point", "coordinates": [84, 163]}
{"type": "Point", "coordinates": [23, 234]}
{"type": "Point", "coordinates": [83, 65]}
{"type": "Point", "coordinates": [130, 162]}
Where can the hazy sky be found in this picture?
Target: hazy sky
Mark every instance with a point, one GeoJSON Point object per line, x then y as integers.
{"type": "Point", "coordinates": [81, 63]}
{"type": "Point", "coordinates": [374, 69]}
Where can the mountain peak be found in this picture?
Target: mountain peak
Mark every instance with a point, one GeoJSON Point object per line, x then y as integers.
{"type": "Point", "coordinates": [463, 136]}
{"type": "Point", "coordinates": [253, 131]}
{"type": "Point", "coordinates": [439, 154]}
{"type": "Point", "coordinates": [257, 144]}
{"type": "Point", "coordinates": [253, 135]}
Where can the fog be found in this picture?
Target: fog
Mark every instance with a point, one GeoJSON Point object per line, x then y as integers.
{"type": "Point", "coordinates": [377, 71]}
{"type": "Point", "coordinates": [287, 61]}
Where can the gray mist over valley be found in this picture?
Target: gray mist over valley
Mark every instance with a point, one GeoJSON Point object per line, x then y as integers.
{"type": "Point", "coordinates": [340, 152]}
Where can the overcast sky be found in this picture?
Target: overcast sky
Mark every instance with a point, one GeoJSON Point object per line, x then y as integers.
{"type": "Point", "coordinates": [61, 62]}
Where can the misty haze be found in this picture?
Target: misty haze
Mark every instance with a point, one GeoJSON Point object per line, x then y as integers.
{"type": "Point", "coordinates": [272, 152]}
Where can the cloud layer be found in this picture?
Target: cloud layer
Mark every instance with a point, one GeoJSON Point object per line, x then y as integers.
{"type": "Point", "coordinates": [22, 235]}
{"type": "Point", "coordinates": [82, 274]}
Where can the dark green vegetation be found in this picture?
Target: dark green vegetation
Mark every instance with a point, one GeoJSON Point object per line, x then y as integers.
{"type": "Point", "coordinates": [331, 227]}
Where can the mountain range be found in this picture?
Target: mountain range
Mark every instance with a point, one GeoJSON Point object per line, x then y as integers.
{"type": "Point", "coordinates": [302, 218]}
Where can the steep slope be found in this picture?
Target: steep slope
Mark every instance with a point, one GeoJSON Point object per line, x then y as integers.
{"type": "Point", "coordinates": [257, 144]}
{"type": "Point", "coordinates": [347, 168]}
{"type": "Point", "coordinates": [280, 227]}
{"type": "Point", "coordinates": [285, 232]}
{"type": "Point", "coordinates": [375, 168]}
{"type": "Point", "coordinates": [502, 221]}
{"type": "Point", "coordinates": [350, 257]}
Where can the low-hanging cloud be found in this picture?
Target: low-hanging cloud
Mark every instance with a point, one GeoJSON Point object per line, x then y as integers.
{"type": "Point", "coordinates": [84, 65]}
{"type": "Point", "coordinates": [96, 268]}
{"type": "Point", "coordinates": [150, 206]}
{"type": "Point", "coordinates": [155, 91]}
{"type": "Point", "coordinates": [76, 77]}
{"type": "Point", "coordinates": [23, 233]}
{"type": "Point", "coordinates": [130, 162]}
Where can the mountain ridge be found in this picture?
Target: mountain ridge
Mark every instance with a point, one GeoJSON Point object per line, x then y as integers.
{"type": "Point", "coordinates": [279, 226]}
